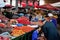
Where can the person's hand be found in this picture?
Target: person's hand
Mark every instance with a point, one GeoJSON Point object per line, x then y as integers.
{"type": "Point", "coordinates": [35, 23]}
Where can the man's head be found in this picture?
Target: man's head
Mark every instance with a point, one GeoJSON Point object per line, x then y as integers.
{"type": "Point", "coordinates": [47, 18]}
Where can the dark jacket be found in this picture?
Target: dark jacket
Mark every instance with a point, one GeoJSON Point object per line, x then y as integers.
{"type": "Point", "coordinates": [50, 31]}
{"type": "Point", "coordinates": [8, 14]}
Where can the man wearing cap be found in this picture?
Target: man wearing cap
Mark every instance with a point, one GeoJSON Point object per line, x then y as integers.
{"type": "Point", "coordinates": [49, 30]}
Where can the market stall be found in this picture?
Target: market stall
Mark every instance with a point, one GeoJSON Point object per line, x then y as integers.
{"type": "Point", "coordinates": [20, 24]}
{"type": "Point", "coordinates": [22, 31]}
{"type": "Point", "coordinates": [49, 7]}
{"type": "Point", "coordinates": [16, 33]}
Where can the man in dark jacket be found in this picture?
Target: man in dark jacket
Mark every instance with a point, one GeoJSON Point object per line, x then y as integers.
{"type": "Point", "coordinates": [50, 30]}
{"type": "Point", "coordinates": [8, 13]}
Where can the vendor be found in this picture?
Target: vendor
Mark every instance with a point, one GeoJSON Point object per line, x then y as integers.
{"type": "Point", "coordinates": [8, 13]}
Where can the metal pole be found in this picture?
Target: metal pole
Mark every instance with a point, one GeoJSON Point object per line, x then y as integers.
{"type": "Point", "coordinates": [20, 2]}
{"type": "Point", "coordinates": [10, 2]}
{"type": "Point", "coordinates": [33, 1]}
{"type": "Point", "coordinates": [16, 4]}
{"type": "Point", "coordinates": [26, 3]}
{"type": "Point", "coordinates": [0, 9]}
{"type": "Point", "coordinates": [38, 3]}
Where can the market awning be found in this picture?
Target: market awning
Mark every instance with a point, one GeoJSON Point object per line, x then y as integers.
{"type": "Point", "coordinates": [49, 7]}
{"type": "Point", "coordinates": [57, 4]}
{"type": "Point", "coordinates": [43, 6]}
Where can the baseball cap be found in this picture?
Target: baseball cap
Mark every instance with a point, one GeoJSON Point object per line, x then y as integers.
{"type": "Point", "coordinates": [50, 14]}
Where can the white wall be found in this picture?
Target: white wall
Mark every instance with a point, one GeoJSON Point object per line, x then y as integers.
{"type": "Point", "coordinates": [2, 4]}
{"type": "Point", "coordinates": [42, 2]}
{"type": "Point", "coordinates": [56, 4]}
{"type": "Point", "coordinates": [14, 2]}
{"type": "Point", "coordinates": [7, 2]}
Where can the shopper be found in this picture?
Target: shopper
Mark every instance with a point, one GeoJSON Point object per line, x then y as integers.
{"type": "Point", "coordinates": [35, 34]}
{"type": "Point", "coordinates": [39, 16]}
{"type": "Point", "coordinates": [29, 15]}
{"type": "Point", "coordinates": [34, 19]}
{"type": "Point", "coordinates": [50, 30]}
{"type": "Point", "coordinates": [15, 15]}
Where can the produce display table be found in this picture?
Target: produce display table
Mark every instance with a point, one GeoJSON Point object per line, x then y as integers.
{"type": "Point", "coordinates": [26, 36]}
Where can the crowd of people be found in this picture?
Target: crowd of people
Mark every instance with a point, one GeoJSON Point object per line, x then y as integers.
{"type": "Point", "coordinates": [47, 22]}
